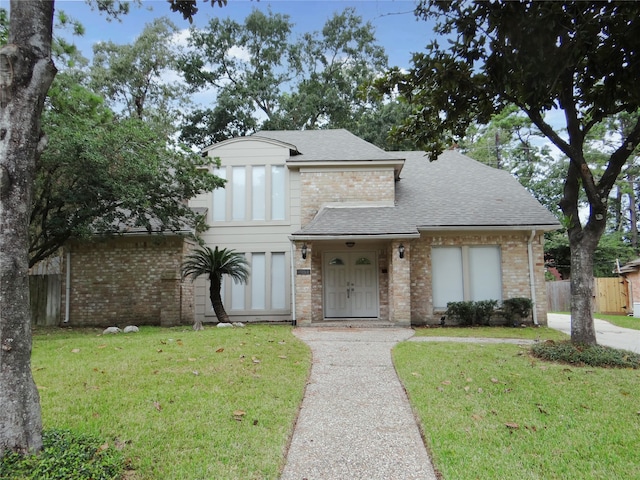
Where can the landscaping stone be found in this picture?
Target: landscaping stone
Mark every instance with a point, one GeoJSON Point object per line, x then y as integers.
{"type": "Point", "coordinates": [111, 330]}
{"type": "Point", "coordinates": [131, 329]}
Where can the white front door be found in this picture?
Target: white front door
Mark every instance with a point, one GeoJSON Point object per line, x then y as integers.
{"type": "Point", "coordinates": [350, 285]}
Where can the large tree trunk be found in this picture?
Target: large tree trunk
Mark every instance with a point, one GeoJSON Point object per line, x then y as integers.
{"type": "Point", "coordinates": [582, 290]}
{"type": "Point", "coordinates": [26, 72]}
{"type": "Point", "coordinates": [215, 286]}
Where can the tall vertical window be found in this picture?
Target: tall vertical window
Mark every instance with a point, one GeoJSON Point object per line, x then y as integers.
{"type": "Point", "coordinates": [258, 193]}
{"type": "Point", "coordinates": [239, 193]}
{"type": "Point", "coordinates": [466, 274]}
{"type": "Point", "coordinates": [258, 281]}
{"type": "Point", "coordinates": [278, 191]}
{"type": "Point", "coordinates": [278, 281]}
{"type": "Point", "coordinates": [446, 268]}
{"type": "Point", "coordinates": [219, 210]}
{"type": "Point", "coordinates": [237, 295]}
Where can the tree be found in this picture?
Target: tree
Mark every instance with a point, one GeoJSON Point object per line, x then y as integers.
{"type": "Point", "coordinates": [578, 58]}
{"type": "Point", "coordinates": [137, 180]}
{"type": "Point", "coordinates": [26, 72]}
{"type": "Point", "coordinates": [131, 78]}
{"type": "Point", "coordinates": [214, 264]}
{"type": "Point", "coordinates": [264, 80]}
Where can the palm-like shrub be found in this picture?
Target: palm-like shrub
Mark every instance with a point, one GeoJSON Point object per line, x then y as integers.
{"type": "Point", "coordinates": [216, 263]}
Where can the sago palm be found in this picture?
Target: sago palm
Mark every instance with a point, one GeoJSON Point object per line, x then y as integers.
{"type": "Point", "coordinates": [215, 264]}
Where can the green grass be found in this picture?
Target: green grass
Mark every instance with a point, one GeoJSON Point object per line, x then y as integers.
{"type": "Point", "coordinates": [220, 403]}
{"type": "Point", "coordinates": [623, 321]}
{"type": "Point", "coordinates": [531, 333]}
{"type": "Point", "coordinates": [494, 412]}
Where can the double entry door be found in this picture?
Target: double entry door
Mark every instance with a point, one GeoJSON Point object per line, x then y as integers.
{"type": "Point", "coordinates": [350, 285]}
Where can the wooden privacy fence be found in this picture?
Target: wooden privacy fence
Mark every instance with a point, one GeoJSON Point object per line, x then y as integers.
{"type": "Point", "coordinates": [45, 299]}
{"type": "Point", "coordinates": [611, 296]}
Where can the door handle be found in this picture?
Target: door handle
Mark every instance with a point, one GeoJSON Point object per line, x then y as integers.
{"type": "Point", "coordinates": [348, 296]}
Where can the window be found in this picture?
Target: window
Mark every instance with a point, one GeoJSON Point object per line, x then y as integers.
{"type": "Point", "coordinates": [258, 192]}
{"type": "Point", "coordinates": [277, 192]}
{"type": "Point", "coordinates": [466, 274]}
{"type": "Point", "coordinates": [238, 193]}
{"type": "Point", "coordinates": [278, 281]}
{"type": "Point", "coordinates": [219, 210]}
{"type": "Point", "coordinates": [258, 281]}
{"type": "Point", "coordinates": [267, 285]}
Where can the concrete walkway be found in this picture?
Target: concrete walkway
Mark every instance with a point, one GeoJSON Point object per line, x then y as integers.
{"type": "Point", "coordinates": [606, 333]}
{"type": "Point", "coordinates": [355, 421]}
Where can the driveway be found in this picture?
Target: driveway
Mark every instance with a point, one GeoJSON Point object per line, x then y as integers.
{"type": "Point", "coordinates": [606, 333]}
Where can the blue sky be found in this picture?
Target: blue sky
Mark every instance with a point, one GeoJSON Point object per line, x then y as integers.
{"type": "Point", "coordinates": [397, 29]}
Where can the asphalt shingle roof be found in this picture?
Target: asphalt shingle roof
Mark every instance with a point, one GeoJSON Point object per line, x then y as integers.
{"type": "Point", "coordinates": [328, 145]}
{"type": "Point", "coordinates": [453, 192]}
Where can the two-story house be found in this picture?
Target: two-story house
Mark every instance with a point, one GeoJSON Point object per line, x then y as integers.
{"type": "Point", "coordinates": [335, 228]}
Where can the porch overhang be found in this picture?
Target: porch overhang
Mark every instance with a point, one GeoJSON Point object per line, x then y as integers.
{"type": "Point", "coordinates": [386, 236]}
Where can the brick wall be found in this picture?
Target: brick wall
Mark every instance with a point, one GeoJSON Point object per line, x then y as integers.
{"type": "Point", "coordinates": [319, 188]}
{"type": "Point", "coordinates": [128, 281]}
{"type": "Point", "coordinates": [515, 270]}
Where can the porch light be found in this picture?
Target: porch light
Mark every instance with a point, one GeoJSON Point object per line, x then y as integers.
{"type": "Point", "coordinates": [401, 251]}
{"type": "Point", "coordinates": [304, 251]}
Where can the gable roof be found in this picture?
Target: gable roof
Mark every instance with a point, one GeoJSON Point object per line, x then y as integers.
{"type": "Point", "coordinates": [453, 193]}
{"type": "Point", "coordinates": [328, 145]}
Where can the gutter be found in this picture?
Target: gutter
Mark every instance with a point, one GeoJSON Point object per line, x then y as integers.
{"type": "Point", "coordinates": [532, 283]}
{"type": "Point", "coordinates": [293, 285]}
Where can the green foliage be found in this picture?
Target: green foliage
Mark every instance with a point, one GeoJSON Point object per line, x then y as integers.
{"type": "Point", "coordinates": [135, 178]}
{"type": "Point", "coordinates": [472, 313]}
{"type": "Point", "coordinates": [215, 264]}
{"type": "Point", "coordinates": [591, 355]}
{"type": "Point", "coordinates": [66, 455]}
{"type": "Point", "coordinates": [319, 81]}
{"type": "Point", "coordinates": [517, 308]}
{"type": "Point", "coordinates": [4, 26]}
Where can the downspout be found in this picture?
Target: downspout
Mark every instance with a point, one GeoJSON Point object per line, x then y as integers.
{"type": "Point", "coordinates": [293, 285]}
{"type": "Point", "coordinates": [532, 282]}
{"type": "Point", "coordinates": [67, 297]}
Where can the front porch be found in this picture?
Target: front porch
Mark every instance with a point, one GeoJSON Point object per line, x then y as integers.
{"type": "Point", "coordinates": [350, 282]}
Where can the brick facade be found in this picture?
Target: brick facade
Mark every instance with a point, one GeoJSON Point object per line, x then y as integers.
{"type": "Point", "coordinates": [128, 280]}
{"type": "Point", "coordinates": [331, 186]}
{"type": "Point", "coordinates": [515, 270]}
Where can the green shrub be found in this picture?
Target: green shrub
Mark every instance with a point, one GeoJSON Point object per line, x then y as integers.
{"type": "Point", "coordinates": [65, 455]}
{"type": "Point", "coordinates": [591, 355]}
{"type": "Point", "coordinates": [462, 311]}
{"type": "Point", "coordinates": [516, 309]}
{"type": "Point", "coordinates": [472, 313]}
{"type": "Point", "coordinates": [484, 310]}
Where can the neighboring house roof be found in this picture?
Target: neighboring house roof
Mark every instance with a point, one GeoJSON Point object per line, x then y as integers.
{"type": "Point", "coordinates": [328, 145]}
{"type": "Point", "coordinates": [629, 267]}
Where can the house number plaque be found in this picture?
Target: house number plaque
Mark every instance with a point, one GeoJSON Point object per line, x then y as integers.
{"type": "Point", "coordinates": [303, 271]}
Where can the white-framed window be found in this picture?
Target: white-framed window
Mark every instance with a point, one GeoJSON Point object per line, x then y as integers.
{"type": "Point", "coordinates": [219, 210]}
{"type": "Point", "coordinates": [254, 193]}
{"type": "Point", "coordinates": [266, 288]}
{"type": "Point", "coordinates": [238, 193]}
{"type": "Point", "coordinates": [466, 273]}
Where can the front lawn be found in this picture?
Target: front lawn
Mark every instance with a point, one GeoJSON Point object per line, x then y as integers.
{"type": "Point", "coordinates": [220, 403]}
{"type": "Point", "coordinates": [493, 411]}
{"type": "Point", "coordinates": [531, 333]}
{"type": "Point", "coordinates": [623, 321]}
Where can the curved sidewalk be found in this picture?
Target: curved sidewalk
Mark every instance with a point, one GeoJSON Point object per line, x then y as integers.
{"type": "Point", "coordinates": [355, 421]}
{"type": "Point", "coordinates": [606, 333]}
